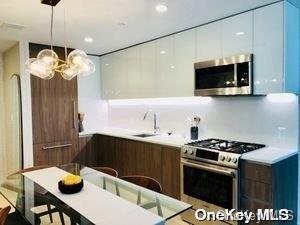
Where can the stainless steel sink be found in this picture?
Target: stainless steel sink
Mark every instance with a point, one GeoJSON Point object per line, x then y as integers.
{"type": "Point", "coordinates": [144, 135]}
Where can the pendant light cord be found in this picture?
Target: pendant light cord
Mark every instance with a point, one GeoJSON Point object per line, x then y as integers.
{"type": "Point", "coordinates": [65, 39]}
{"type": "Point", "coordinates": [51, 31]}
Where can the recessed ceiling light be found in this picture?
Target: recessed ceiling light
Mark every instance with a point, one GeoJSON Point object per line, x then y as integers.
{"type": "Point", "coordinates": [88, 39]}
{"type": "Point", "coordinates": [240, 33]}
{"type": "Point", "coordinates": [163, 52]}
{"type": "Point", "coordinates": [161, 8]}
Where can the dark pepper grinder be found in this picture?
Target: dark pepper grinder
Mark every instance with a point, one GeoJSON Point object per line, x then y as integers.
{"type": "Point", "coordinates": [80, 122]}
{"type": "Point", "coordinates": [194, 128]}
{"type": "Point", "coordinates": [194, 133]}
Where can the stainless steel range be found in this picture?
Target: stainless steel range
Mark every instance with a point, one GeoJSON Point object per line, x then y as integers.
{"type": "Point", "coordinates": [210, 175]}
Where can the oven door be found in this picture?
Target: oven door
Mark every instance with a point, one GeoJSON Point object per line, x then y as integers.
{"type": "Point", "coordinates": [207, 186]}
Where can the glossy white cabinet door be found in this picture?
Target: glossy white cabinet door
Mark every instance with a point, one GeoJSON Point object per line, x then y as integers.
{"type": "Point", "coordinates": [292, 52]}
{"type": "Point", "coordinates": [268, 49]}
{"type": "Point", "coordinates": [119, 75]}
{"type": "Point", "coordinates": [134, 77]}
{"type": "Point", "coordinates": [165, 80]}
{"type": "Point", "coordinates": [184, 59]}
{"type": "Point", "coordinates": [148, 70]}
{"type": "Point", "coordinates": [237, 34]}
{"type": "Point", "coordinates": [209, 41]}
{"type": "Point", "coordinates": [107, 66]}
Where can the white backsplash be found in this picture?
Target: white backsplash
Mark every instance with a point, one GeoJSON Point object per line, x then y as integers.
{"type": "Point", "coordinates": [271, 120]}
{"type": "Point", "coordinates": [89, 99]}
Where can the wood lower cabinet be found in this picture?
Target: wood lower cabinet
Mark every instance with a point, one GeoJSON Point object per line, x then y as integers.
{"type": "Point", "coordinates": [88, 152]}
{"type": "Point", "coordinates": [171, 171]}
{"type": "Point", "coordinates": [270, 187]}
{"type": "Point", "coordinates": [131, 157]}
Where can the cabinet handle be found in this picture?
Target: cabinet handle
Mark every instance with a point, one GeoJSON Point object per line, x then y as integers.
{"type": "Point", "coordinates": [56, 146]}
{"type": "Point", "coordinates": [74, 110]}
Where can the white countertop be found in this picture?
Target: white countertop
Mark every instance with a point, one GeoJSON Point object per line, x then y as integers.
{"type": "Point", "coordinates": [161, 139]}
{"type": "Point", "coordinates": [267, 155]}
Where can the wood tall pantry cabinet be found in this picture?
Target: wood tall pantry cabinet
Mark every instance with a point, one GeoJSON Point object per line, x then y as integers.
{"type": "Point", "coordinates": [54, 116]}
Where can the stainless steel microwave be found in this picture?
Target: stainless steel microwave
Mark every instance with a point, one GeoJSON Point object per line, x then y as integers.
{"type": "Point", "coordinates": [226, 76]}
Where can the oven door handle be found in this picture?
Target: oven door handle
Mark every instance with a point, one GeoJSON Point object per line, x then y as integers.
{"type": "Point", "coordinates": [228, 172]}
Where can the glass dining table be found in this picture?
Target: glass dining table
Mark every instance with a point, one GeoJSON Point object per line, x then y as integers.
{"type": "Point", "coordinates": [33, 202]}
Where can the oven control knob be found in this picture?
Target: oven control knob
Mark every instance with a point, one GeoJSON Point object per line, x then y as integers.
{"type": "Point", "coordinates": [234, 160]}
{"type": "Point", "coordinates": [222, 157]}
{"type": "Point", "coordinates": [190, 151]}
{"type": "Point", "coordinates": [228, 158]}
{"type": "Point", "coordinates": [185, 151]}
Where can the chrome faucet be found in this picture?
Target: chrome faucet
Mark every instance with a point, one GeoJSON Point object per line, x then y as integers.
{"type": "Point", "coordinates": [155, 124]}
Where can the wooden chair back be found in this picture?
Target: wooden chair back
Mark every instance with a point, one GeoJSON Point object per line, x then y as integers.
{"type": "Point", "coordinates": [29, 169]}
{"type": "Point", "coordinates": [144, 181]}
{"type": "Point", "coordinates": [107, 170]}
{"type": "Point", "coordinates": [3, 214]}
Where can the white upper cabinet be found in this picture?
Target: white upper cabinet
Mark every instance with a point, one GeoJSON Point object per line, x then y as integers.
{"type": "Point", "coordinates": [120, 74]}
{"type": "Point", "coordinates": [227, 37]}
{"type": "Point", "coordinates": [237, 34]}
{"type": "Point", "coordinates": [183, 62]}
{"type": "Point", "coordinates": [165, 81]}
{"type": "Point", "coordinates": [107, 76]}
{"type": "Point", "coordinates": [268, 49]}
{"type": "Point", "coordinates": [276, 49]}
{"type": "Point", "coordinates": [165, 67]}
{"type": "Point", "coordinates": [114, 75]}
{"type": "Point", "coordinates": [209, 41]}
{"type": "Point", "coordinates": [148, 70]}
{"type": "Point", "coordinates": [134, 72]}
{"type": "Point", "coordinates": [291, 46]}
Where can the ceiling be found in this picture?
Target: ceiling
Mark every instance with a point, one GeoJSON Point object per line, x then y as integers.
{"type": "Point", "coordinates": [100, 19]}
{"type": "Point", "coordinates": [4, 45]}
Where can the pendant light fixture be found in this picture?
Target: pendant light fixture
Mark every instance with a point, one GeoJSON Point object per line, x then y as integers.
{"type": "Point", "coordinates": [47, 61]}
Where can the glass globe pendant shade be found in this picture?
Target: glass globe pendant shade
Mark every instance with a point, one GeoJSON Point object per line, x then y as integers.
{"type": "Point", "coordinates": [77, 57]}
{"type": "Point", "coordinates": [48, 57]}
{"type": "Point", "coordinates": [87, 68]}
{"type": "Point", "coordinates": [68, 72]}
{"type": "Point", "coordinates": [39, 68]}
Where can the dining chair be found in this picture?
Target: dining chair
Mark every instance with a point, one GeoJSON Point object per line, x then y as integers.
{"type": "Point", "coordinates": [29, 169]}
{"type": "Point", "coordinates": [3, 214]}
{"type": "Point", "coordinates": [149, 183]}
{"type": "Point", "coordinates": [108, 171]}
{"type": "Point", "coordinates": [40, 199]}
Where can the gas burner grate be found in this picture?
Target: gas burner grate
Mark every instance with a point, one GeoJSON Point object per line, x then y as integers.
{"type": "Point", "coordinates": [226, 145]}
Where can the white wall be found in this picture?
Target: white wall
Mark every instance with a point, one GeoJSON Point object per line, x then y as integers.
{"type": "Point", "coordinates": [256, 119]}
{"type": "Point", "coordinates": [2, 124]}
{"type": "Point", "coordinates": [89, 99]}
{"type": "Point", "coordinates": [26, 106]}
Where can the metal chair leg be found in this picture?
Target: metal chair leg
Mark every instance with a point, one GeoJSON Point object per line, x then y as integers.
{"type": "Point", "coordinates": [117, 189]}
{"type": "Point", "coordinates": [159, 209]}
{"type": "Point", "coordinates": [104, 183]}
{"type": "Point", "coordinates": [61, 216]}
{"type": "Point", "coordinates": [50, 214]}
{"type": "Point", "coordinates": [139, 199]}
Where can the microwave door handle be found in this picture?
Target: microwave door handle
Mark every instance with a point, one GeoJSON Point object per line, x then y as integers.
{"type": "Point", "coordinates": [229, 173]}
